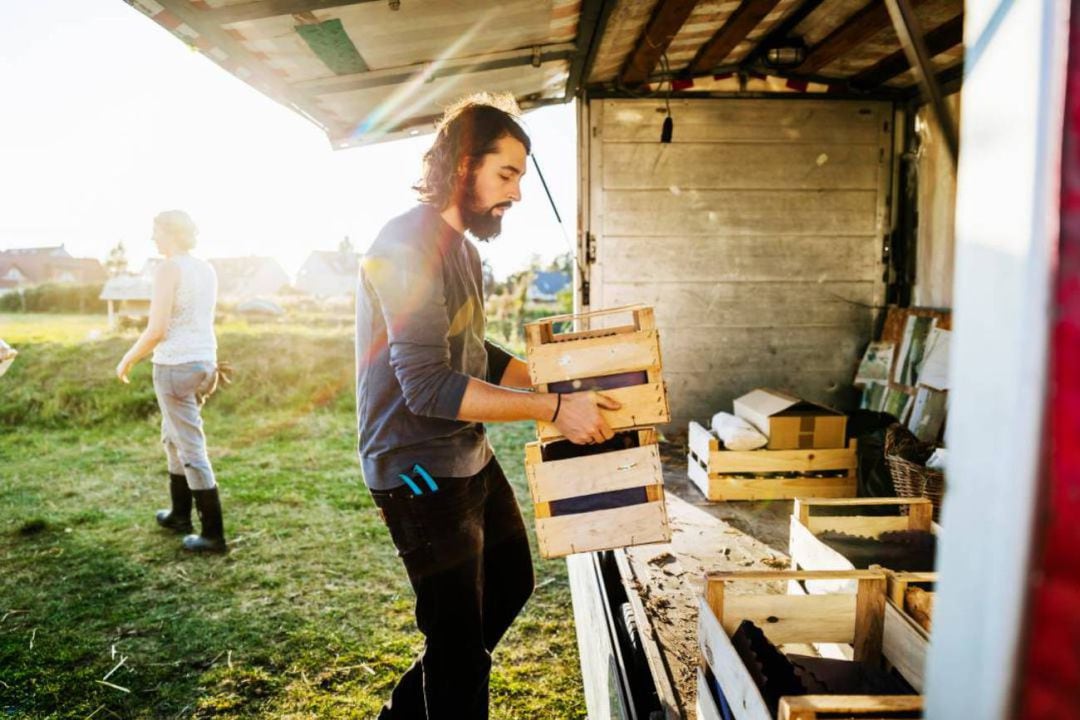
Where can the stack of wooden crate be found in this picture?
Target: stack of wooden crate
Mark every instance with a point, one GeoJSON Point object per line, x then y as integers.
{"type": "Point", "coordinates": [598, 497]}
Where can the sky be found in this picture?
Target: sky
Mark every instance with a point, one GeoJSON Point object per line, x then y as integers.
{"type": "Point", "coordinates": [108, 119]}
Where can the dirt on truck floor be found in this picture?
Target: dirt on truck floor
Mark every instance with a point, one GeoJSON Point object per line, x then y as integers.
{"type": "Point", "coordinates": [706, 537]}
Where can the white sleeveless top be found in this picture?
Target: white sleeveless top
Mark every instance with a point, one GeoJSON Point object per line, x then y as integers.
{"type": "Point", "coordinates": [189, 336]}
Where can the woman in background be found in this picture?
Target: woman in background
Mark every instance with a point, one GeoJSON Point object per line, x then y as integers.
{"type": "Point", "coordinates": [180, 335]}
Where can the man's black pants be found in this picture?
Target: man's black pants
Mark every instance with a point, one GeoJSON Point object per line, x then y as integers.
{"type": "Point", "coordinates": [467, 556]}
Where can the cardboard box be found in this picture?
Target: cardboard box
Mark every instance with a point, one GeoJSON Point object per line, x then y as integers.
{"type": "Point", "coordinates": [791, 423]}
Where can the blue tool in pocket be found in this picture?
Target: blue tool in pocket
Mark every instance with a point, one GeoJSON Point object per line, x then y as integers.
{"type": "Point", "coordinates": [414, 485]}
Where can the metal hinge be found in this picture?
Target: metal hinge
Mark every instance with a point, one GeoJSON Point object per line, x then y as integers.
{"type": "Point", "coordinates": [590, 248]}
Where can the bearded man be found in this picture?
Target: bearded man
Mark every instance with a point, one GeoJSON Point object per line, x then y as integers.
{"type": "Point", "coordinates": [426, 381]}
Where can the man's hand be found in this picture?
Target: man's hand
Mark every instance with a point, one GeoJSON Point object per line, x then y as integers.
{"type": "Point", "coordinates": [579, 418]}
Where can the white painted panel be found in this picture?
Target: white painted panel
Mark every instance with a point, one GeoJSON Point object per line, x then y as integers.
{"type": "Point", "coordinates": [1007, 236]}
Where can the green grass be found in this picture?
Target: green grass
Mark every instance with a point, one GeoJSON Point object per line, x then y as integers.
{"type": "Point", "coordinates": [310, 616]}
{"type": "Point", "coordinates": [23, 328]}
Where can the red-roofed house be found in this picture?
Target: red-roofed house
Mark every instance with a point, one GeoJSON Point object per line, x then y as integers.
{"type": "Point", "coordinates": [26, 267]}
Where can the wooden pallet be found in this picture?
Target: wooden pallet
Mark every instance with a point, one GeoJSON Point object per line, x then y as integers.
{"type": "Point", "coordinates": [568, 361]}
{"type": "Point", "coordinates": [855, 618]}
{"type": "Point", "coordinates": [723, 475]}
{"type": "Point", "coordinates": [639, 523]}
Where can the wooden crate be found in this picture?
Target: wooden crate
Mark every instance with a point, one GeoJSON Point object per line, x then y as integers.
{"type": "Point", "coordinates": [576, 360]}
{"type": "Point", "coordinates": [768, 474]}
{"type": "Point", "coordinates": [812, 707]}
{"type": "Point", "coordinates": [909, 643]}
{"type": "Point", "coordinates": [640, 523]}
{"type": "Point", "coordinates": [809, 553]}
{"type": "Point", "coordinates": [856, 619]}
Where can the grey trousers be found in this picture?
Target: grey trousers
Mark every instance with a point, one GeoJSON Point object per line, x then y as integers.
{"type": "Point", "coordinates": [181, 391]}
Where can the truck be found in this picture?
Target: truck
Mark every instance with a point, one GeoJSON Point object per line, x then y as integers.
{"type": "Point", "coordinates": [769, 176]}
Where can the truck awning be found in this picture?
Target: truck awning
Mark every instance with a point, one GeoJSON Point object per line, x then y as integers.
{"type": "Point", "coordinates": [367, 71]}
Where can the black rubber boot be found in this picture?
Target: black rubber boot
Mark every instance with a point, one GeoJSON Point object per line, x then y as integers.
{"type": "Point", "coordinates": [212, 537]}
{"type": "Point", "coordinates": [178, 519]}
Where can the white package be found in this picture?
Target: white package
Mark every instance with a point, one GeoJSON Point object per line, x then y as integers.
{"type": "Point", "coordinates": [736, 433]}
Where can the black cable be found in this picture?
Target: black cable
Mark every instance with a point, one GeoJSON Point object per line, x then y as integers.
{"type": "Point", "coordinates": [558, 218]}
{"type": "Point", "coordinates": [543, 182]}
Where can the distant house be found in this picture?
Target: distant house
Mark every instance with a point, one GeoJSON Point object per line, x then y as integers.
{"type": "Point", "coordinates": [128, 295]}
{"type": "Point", "coordinates": [245, 278]}
{"type": "Point", "coordinates": [27, 267]}
{"type": "Point", "coordinates": [546, 286]}
{"type": "Point", "coordinates": [329, 274]}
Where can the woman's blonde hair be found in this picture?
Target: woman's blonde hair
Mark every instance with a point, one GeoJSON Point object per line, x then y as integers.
{"type": "Point", "coordinates": [180, 226]}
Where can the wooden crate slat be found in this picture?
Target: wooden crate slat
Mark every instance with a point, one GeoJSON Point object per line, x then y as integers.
{"type": "Point", "coordinates": [726, 462]}
{"type": "Point", "coordinates": [603, 529]}
{"type": "Point", "coordinates": [726, 488]}
{"type": "Point", "coordinates": [701, 441]}
{"type": "Point", "coordinates": [869, 501]}
{"type": "Point", "coordinates": [628, 352]}
{"type": "Point", "coordinates": [715, 578]}
{"type": "Point", "coordinates": [794, 619]}
{"type": "Point", "coordinates": [906, 645]}
{"type": "Point", "coordinates": [641, 317]}
{"type": "Point", "coordinates": [867, 526]}
{"type": "Point", "coordinates": [642, 405]}
{"type": "Point", "coordinates": [807, 707]}
{"type": "Point", "coordinates": [919, 514]}
{"type": "Point", "coordinates": [870, 603]}
{"type": "Point", "coordinates": [616, 470]}
{"type": "Point", "coordinates": [698, 475]}
{"type": "Point", "coordinates": [742, 695]}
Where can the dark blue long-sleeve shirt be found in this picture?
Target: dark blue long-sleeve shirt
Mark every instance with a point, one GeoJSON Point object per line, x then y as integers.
{"type": "Point", "coordinates": [419, 337]}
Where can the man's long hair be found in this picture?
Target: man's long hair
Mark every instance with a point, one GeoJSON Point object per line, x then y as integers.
{"type": "Point", "coordinates": [469, 130]}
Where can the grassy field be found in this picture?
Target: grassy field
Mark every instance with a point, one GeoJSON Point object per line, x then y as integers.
{"type": "Point", "coordinates": [310, 616]}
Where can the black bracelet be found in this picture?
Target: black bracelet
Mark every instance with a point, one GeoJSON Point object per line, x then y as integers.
{"type": "Point", "coordinates": [558, 405]}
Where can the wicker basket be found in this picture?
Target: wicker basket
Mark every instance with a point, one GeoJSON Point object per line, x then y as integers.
{"type": "Point", "coordinates": [906, 457]}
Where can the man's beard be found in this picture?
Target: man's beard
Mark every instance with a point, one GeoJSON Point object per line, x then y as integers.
{"type": "Point", "coordinates": [480, 222]}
